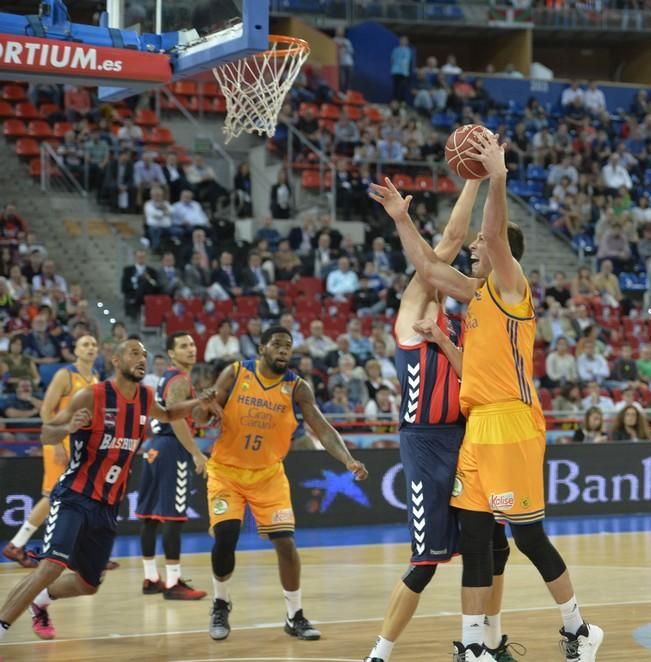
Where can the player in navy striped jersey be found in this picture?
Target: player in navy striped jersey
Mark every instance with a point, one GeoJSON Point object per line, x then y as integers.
{"type": "Point", "coordinates": [107, 423]}
{"type": "Point", "coordinates": [429, 364]}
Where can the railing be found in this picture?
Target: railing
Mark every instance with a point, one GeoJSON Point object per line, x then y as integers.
{"type": "Point", "coordinates": [55, 176]}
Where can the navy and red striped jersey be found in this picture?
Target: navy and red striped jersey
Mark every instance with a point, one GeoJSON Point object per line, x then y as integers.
{"type": "Point", "coordinates": [165, 429]}
{"type": "Point", "coordinates": [101, 455]}
{"type": "Point", "coordinates": [429, 384]}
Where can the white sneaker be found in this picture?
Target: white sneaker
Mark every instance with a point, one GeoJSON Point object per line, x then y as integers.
{"type": "Point", "coordinates": [471, 653]}
{"type": "Point", "coordinates": [582, 646]}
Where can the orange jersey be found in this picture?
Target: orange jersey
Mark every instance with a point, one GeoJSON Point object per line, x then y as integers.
{"type": "Point", "coordinates": [259, 420]}
{"type": "Point", "coordinates": [498, 352]}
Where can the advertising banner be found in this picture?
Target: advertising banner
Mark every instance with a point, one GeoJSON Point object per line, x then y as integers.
{"type": "Point", "coordinates": [595, 479]}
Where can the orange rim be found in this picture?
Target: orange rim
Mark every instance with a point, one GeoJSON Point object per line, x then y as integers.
{"type": "Point", "coordinates": [296, 46]}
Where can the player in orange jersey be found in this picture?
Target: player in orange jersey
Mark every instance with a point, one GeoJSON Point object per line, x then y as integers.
{"type": "Point", "coordinates": [259, 399]}
{"type": "Point", "coordinates": [500, 470]}
{"type": "Point", "coordinates": [65, 383]}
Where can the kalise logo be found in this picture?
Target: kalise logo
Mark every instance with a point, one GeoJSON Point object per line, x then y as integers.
{"type": "Point", "coordinates": [503, 501]}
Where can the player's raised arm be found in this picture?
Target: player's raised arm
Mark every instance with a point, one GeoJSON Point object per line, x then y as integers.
{"type": "Point", "coordinates": [430, 330]}
{"type": "Point", "coordinates": [328, 436]}
{"type": "Point", "coordinates": [434, 271]}
{"type": "Point", "coordinates": [77, 415]}
{"type": "Point", "coordinates": [457, 228]}
{"type": "Point", "coordinates": [506, 269]}
{"type": "Point", "coordinates": [205, 401]}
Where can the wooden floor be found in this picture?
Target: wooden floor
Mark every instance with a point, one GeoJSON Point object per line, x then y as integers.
{"type": "Point", "coordinates": [345, 590]}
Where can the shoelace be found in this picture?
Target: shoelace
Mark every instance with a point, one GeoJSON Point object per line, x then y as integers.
{"type": "Point", "coordinates": [219, 616]}
{"type": "Point", "coordinates": [42, 617]}
{"type": "Point", "coordinates": [570, 648]}
{"type": "Point", "coordinates": [514, 646]}
{"type": "Point", "coordinates": [302, 623]}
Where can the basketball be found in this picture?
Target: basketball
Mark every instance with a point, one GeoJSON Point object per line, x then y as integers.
{"type": "Point", "coordinates": [460, 142]}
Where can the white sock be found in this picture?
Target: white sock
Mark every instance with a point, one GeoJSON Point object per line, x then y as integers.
{"type": "Point", "coordinates": [293, 601]}
{"type": "Point", "coordinates": [173, 574]}
{"type": "Point", "coordinates": [151, 571]}
{"type": "Point", "coordinates": [25, 532]}
{"type": "Point", "coordinates": [572, 620]}
{"type": "Point", "coordinates": [382, 649]}
{"type": "Point", "coordinates": [43, 599]}
{"type": "Point", "coordinates": [472, 629]}
{"type": "Point", "coordinates": [222, 589]}
{"type": "Point", "coordinates": [493, 631]}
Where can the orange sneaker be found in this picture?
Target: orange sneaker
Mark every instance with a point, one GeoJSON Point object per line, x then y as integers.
{"type": "Point", "coordinates": [183, 591]}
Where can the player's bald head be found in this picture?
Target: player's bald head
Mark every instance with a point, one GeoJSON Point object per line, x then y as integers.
{"type": "Point", "coordinates": [129, 344]}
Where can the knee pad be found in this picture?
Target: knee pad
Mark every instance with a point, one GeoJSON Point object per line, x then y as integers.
{"type": "Point", "coordinates": [501, 550]}
{"type": "Point", "coordinates": [475, 547]}
{"type": "Point", "coordinates": [533, 542]}
{"type": "Point", "coordinates": [418, 577]}
{"type": "Point", "coordinates": [223, 551]}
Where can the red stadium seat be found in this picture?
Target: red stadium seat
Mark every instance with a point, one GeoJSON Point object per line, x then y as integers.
{"type": "Point", "coordinates": [311, 179]}
{"type": "Point", "coordinates": [61, 128]}
{"type": "Point", "coordinates": [46, 109]}
{"type": "Point", "coordinates": [373, 114]}
{"type": "Point", "coordinates": [355, 98]}
{"type": "Point", "coordinates": [307, 306]}
{"type": "Point", "coordinates": [161, 136]}
{"type": "Point", "coordinates": [545, 399]}
{"type": "Point", "coordinates": [146, 117]}
{"type": "Point", "coordinates": [403, 182]}
{"type": "Point", "coordinates": [156, 307]}
{"type": "Point", "coordinates": [6, 110]}
{"type": "Point", "coordinates": [14, 93]}
{"type": "Point", "coordinates": [539, 369]}
{"type": "Point", "coordinates": [27, 148]}
{"type": "Point", "coordinates": [194, 305]}
{"type": "Point", "coordinates": [26, 111]}
{"type": "Point", "coordinates": [310, 286]}
{"type": "Point", "coordinates": [329, 112]}
{"type": "Point", "coordinates": [13, 129]}
{"type": "Point", "coordinates": [445, 185]}
{"type": "Point", "coordinates": [35, 169]}
{"type": "Point", "coordinates": [210, 90]}
{"type": "Point", "coordinates": [247, 305]}
{"type": "Point", "coordinates": [308, 106]}
{"type": "Point", "coordinates": [175, 323]}
{"type": "Point", "coordinates": [423, 183]}
{"type": "Point", "coordinates": [353, 112]}
{"type": "Point", "coordinates": [184, 88]}
{"type": "Point", "coordinates": [39, 129]}
{"type": "Point", "coordinates": [219, 105]}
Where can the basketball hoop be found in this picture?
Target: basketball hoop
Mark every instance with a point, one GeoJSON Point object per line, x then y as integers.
{"type": "Point", "coordinates": [255, 86]}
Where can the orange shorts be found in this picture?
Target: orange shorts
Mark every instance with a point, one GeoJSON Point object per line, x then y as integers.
{"type": "Point", "coordinates": [500, 468]}
{"type": "Point", "coordinates": [266, 491]}
{"type": "Point", "coordinates": [51, 469]}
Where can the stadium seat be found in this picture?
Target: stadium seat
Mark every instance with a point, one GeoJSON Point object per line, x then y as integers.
{"type": "Point", "coordinates": [353, 112]}
{"type": "Point", "coordinates": [307, 306]}
{"type": "Point", "coordinates": [175, 323]}
{"type": "Point", "coordinates": [403, 182]}
{"type": "Point", "coordinates": [247, 305]}
{"type": "Point", "coordinates": [445, 185]}
{"type": "Point", "coordinates": [305, 106]}
{"type": "Point", "coordinates": [6, 110]}
{"type": "Point", "coordinates": [310, 286]}
{"type": "Point", "coordinates": [424, 183]}
{"type": "Point", "coordinates": [354, 98]}
{"type": "Point", "coordinates": [223, 308]}
{"type": "Point", "coordinates": [14, 93]}
{"type": "Point", "coordinates": [47, 109]}
{"type": "Point", "coordinates": [26, 111]}
{"type": "Point", "coordinates": [39, 129]}
{"type": "Point", "coordinates": [210, 90]}
{"type": "Point", "coordinates": [194, 305]}
{"type": "Point", "coordinates": [536, 172]}
{"type": "Point", "coordinates": [373, 114]}
{"type": "Point", "coordinates": [181, 88]}
{"type": "Point", "coordinates": [161, 136]}
{"type": "Point", "coordinates": [311, 179]}
{"type": "Point", "coordinates": [47, 371]}
{"type": "Point", "coordinates": [335, 308]}
{"type": "Point", "coordinates": [146, 117]}
{"type": "Point", "coordinates": [27, 148]}
{"type": "Point", "coordinates": [61, 128]}
{"type": "Point", "coordinates": [539, 369]}
{"type": "Point", "coordinates": [329, 112]}
{"type": "Point", "coordinates": [13, 129]}
{"type": "Point", "coordinates": [156, 307]}
{"type": "Point", "coordinates": [219, 105]}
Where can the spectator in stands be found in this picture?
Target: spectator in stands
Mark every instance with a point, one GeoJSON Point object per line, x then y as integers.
{"type": "Point", "coordinates": [48, 280]}
{"type": "Point", "coordinates": [301, 237]}
{"type": "Point", "coordinates": [242, 191]}
{"type": "Point", "coordinates": [543, 146]}
{"type": "Point", "coordinates": [555, 324]}
{"type": "Point", "coordinates": [583, 284]}
{"type": "Point", "coordinates": [226, 276]}
{"type": "Point", "coordinates": [98, 155]}
{"type": "Point", "coordinates": [592, 367]}
{"type": "Point", "coordinates": [138, 280]}
{"type": "Point", "coordinates": [196, 278]}
{"type": "Point", "coordinates": [19, 364]}
{"type": "Point", "coordinates": [345, 58]}
{"type": "Point", "coordinates": [596, 399]}
{"type": "Point", "coordinates": [401, 66]}
{"type": "Point", "coordinates": [366, 300]}
{"type": "Point", "coordinates": [250, 339]}
{"type": "Point", "coordinates": [323, 258]}
{"type": "Point", "coordinates": [39, 344]}
{"type": "Point", "coordinates": [8, 305]}
{"type": "Point", "coordinates": [641, 107]}
{"type": "Point", "coordinates": [592, 430]}
{"type": "Point", "coordinates": [71, 155]}
{"type": "Point", "coordinates": [313, 377]}
{"type": "Point", "coordinates": [78, 104]}
{"type": "Point", "coordinates": [342, 348]}
{"type": "Point", "coordinates": [175, 178]}
{"type": "Point", "coordinates": [222, 348]}
{"type": "Point", "coordinates": [571, 93]}
{"type": "Point", "coordinates": [159, 366]}
{"type": "Point", "coordinates": [118, 182]}
{"type": "Point", "coordinates": [628, 400]}
{"type": "Point", "coordinates": [318, 344]}
{"type": "Point", "coordinates": [325, 226]}
{"type": "Point", "coordinates": [451, 68]}
{"type": "Point", "coordinates": [158, 219]}
{"type": "Point", "coordinates": [342, 281]}
{"type": "Point", "coordinates": [379, 332]}
{"type": "Point", "coordinates": [630, 425]}
{"type": "Point", "coordinates": [254, 278]}
{"type": "Point", "coordinates": [390, 150]}
{"type": "Point", "coordinates": [359, 344]}
{"type": "Point", "coordinates": [148, 175]}
{"type": "Point", "coordinates": [594, 99]}
{"type": "Point", "coordinates": [614, 246]}
{"type": "Point", "coordinates": [281, 197]}
{"type": "Point", "coordinates": [608, 285]}
{"type": "Point", "coordinates": [169, 276]}
{"type": "Point", "coordinates": [271, 307]}
{"type": "Point", "coordinates": [12, 227]}
{"type": "Point", "coordinates": [423, 101]}
{"type": "Point", "coordinates": [338, 408]}
{"type": "Point", "coordinates": [316, 83]}
{"type": "Point", "coordinates": [614, 175]}
{"type": "Point", "coordinates": [560, 365]}
{"type": "Point", "coordinates": [202, 245]}
{"type": "Point", "coordinates": [624, 371]}
{"type": "Point", "coordinates": [103, 363]}
{"type": "Point", "coordinates": [387, 366]}
{"type": "Point", "coordinates": [17, 283]}
{"type": "Point", "coordinates": [268, 232]}
{"type": "Point", "coordinates": [374, 378]}
{"type": "Point", "coordinates": [568, 400]}
{"type": "Point", "coordinates": [560, 170]}
{"type": "Point", "coordinates": [559, 290]}
{"type": "Point", "coordinates": [582, 320]}
{"type": "Point", "coordinates": [347, 135]}
{"type": "Point", "coordinates": [23, 404]}
{"type": "Point", "coordinates": [131, 135]}
{"type": "Point", "coordinates": [82, 317]}
{"type": "Point", "coordinates": [348, 378]}
{"type": "Point", "coordinates": [287, 264]}
{"type": "Point", "coordinates": [644, 363]}
{"type": "Point", "coordinates": [308, 125]}
{"type": "Point", "coordinates": [203, 180]}
{"type": "Point", "coordinates": [187, 215]}
{"type": "Point", "coordinates": [382, 406]}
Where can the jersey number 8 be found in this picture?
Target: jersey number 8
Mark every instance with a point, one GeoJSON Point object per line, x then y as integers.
{"type": "Point", "coordinates": [113, 473]}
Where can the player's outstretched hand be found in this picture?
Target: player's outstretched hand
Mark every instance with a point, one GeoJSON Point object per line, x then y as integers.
{"type": "Point", "coordinates": [208, 402]}
{"type": "Point", "coordinates": [389, 197]}
{"type": "Point", "coordinates": [358, 469]}
{"type": "Point", "coordinates": [430, 330]}
{"type": "Point", "coordinates": [80, 419]}
{"type": "Point", "coordinates": [489, 151]}
{"type": "Point", "coordinates": [200, 464]}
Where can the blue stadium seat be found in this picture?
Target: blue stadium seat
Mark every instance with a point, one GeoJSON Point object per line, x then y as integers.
{"type": "Point", "coordinates": [584, 242]}
{"type": "Point", "coordinates": [313, 6]}
{"type": "Point", "coordinates": [630, 282]}
{"type": "Point", "coordinates": [647, 177]}
{"type": "Point", "coordinates": [521, 189]}
{"type": "Point", "coordinates": [48, 371]}
{"type": "Point", "coordinates": [536, 172]}
{"type": "Point", "coordinates": [442, 121]}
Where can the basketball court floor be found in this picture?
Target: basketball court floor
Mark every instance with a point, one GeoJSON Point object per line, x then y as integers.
{"type": "Point", "coordinates": [348, 574]}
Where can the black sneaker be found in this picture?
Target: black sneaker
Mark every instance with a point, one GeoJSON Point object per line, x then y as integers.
{"type": "Point", "coordinates": [300, 627]}
{"type": "Point", "coordinates": [218, 627]}
{"type": "Point", "coordinates": [503, 652]}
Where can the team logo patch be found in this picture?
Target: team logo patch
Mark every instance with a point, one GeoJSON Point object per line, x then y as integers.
{"type": "Point", "coordinates": [143, 420]}
{"type": "Point", "coordinates": [109, 418]}
{"type": "Point", "coordinates": [457, 487]}
{"type": "Point", "coordinates": [477, 295]}
{"type": "Point", "coordinates": [219, 506]}
{"type": "Point", "coordinates": [525, 502]}
{"type": "Point", "coordinates": [150, 455]}
{"type": "Point", "coordinates": [286, 389]}
{"type": "Point", "coordinates": [245, 386]}
{"type": "Point", "coordinates": [285, 515]}
{"type": "Point", "coordinates": [504, 501]}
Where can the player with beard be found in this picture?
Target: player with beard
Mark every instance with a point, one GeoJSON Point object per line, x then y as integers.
{"type": "Point", "coordinates": [65, 383]}
{"type": "Point", "coordinates": [166, 478]}
{"type": "Point", "coordinates": [106, 422]}
{"type": "Point", "coordinates": [259, 399]}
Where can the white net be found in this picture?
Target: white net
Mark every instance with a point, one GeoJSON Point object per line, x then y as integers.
{"type": "Point", "coordinates": [255, 86]}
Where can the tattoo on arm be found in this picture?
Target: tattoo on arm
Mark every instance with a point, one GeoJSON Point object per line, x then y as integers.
{"type": "Point", "coordinates": [178, 391]}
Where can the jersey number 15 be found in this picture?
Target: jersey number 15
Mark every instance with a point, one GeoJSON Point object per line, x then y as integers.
{"type": "Point", "coordinates": [252, 443]}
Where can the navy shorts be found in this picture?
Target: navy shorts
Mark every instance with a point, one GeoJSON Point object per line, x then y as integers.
{"type": "Point", "coordinates": [79, 534]}
{"type": "Point", "coordinates": [165, 481]}
{"type": "Point", "coordinates": [429, 457]}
